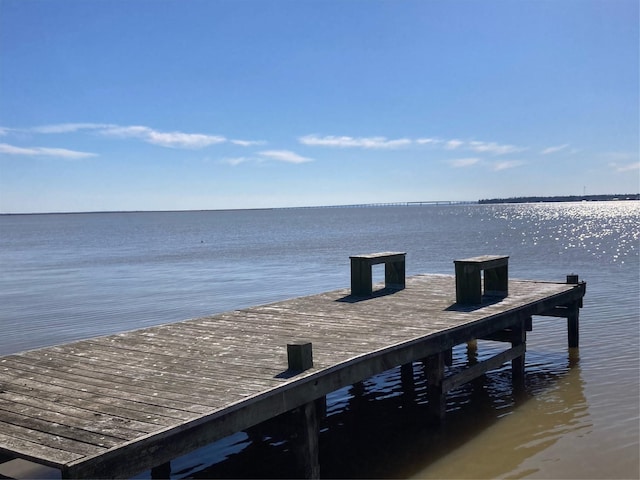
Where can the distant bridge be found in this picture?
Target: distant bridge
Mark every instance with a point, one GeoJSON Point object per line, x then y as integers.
{"type": "Point", "coordinates": [398, 204]}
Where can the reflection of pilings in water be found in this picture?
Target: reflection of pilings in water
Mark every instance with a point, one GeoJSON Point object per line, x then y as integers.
{"type": "Point", "coordinates": [472, 352]}
{"type": "Point", "coordinates": [574, 356]}
{"type": "Point", "coordinates": [485, 421]}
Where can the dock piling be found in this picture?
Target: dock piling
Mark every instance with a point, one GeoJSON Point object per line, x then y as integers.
{"type": "Point", "coordinates": [436, 394]}
{"type": "Point", "coordinates": [573, 317]}
{"type": "Point", "coordinates": [573, 326]}
{"type": "Point", "coordinates": [307, 447]}
{"type": "Point", "coordinates": [519, 338]}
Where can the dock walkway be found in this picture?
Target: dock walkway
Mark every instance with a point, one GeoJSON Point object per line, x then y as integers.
{"type": "Point", "coordinates": [120, 404]}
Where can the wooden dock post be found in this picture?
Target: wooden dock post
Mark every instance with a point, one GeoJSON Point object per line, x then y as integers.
{"type": "Point", "coordinates": [573, 317]}
{"type": "Point", "coordinates": [436, 394]}
{"type": "Point", "coordinates": [305, 418]}
{"type": "Point", "coordinates": [519, 337]}
{"type": "Point", "coordinates": [307, 446]}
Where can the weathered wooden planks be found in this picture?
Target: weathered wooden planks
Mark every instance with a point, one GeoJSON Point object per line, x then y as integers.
{"type": "Point", "coordinates": [119, 404]}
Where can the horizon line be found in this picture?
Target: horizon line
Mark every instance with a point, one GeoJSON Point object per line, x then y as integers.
{"type": "Point", "coordinates": [352, 205]}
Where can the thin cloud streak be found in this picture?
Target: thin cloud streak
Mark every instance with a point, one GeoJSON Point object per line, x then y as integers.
{"type": "Point", "coordinates": [493, 148]}
{"type": "Point", "coordinates": [173, 139]}
{"type": "Point", "coordinates": [69, 127]}
{"type": "Point", "coordinates": [248, 143]}
{"type": "Point", "coordinates": [44, 152]}
{"type": "Point", "coordinates": [351, 142]}
{"type": "Point", "coordinates": [498, 166]}
{"type": "Point", "coordinates": [453, 144]}
{"type": "Point", "coordinates": [464, 162]}
{"type": "Point", "coordinates": [555, 149]}
{"type": "Point", "coordinates": [286, 156]}
{"type": "Point", "coordinates": [235, 161]}
{"type": "Point", "coordinates": [428, 141]}
{"type": "Point", "coordinates": [625, 168]}
{"type": "Point", "coordinates": [164, 139]}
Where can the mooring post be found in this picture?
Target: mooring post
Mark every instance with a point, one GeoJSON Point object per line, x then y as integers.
{"type": "Point", "coordinates": [299, 356]}
{"type": "Point", "coordinates": [436, 395]}
{"type": "Point", "coordinates": [305, 418]}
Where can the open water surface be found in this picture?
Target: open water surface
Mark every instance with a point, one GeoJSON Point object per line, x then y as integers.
{"type": "Point", "coordinates": [73, 276]}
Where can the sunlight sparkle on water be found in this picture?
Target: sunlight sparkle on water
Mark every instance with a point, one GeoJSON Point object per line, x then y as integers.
{"type": "Point", "coordinates": [587, 226]}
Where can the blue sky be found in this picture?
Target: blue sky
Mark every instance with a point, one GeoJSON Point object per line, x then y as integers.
{"type": "Point", "coordinates": [172, 105]}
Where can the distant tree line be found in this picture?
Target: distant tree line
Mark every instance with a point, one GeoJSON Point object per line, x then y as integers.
{"type": "Point", "coordinates": [563, 198]}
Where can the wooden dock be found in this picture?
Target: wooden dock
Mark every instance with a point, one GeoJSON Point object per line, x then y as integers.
{"type": "Point", "coordinates": [116, 405]}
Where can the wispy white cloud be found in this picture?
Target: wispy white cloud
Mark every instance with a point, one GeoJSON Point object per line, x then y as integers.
{"type": "Point", "coordinates": [464, 162]}
{"type": "Point", "coordinates": [493, 148]}
{"type": "Point", "coordinates": [555, 149]}
{"type": "Point", "coordinates": [247, 143]}
{"type": "Point", "coordinates": [150, 135]}
{"type": "Point", "coordinates": [477, 146]}
{"type": "Point", "coordinates": [286, 156]}
{"type": "Point", "coordinates": [505, 165]}
{"type": "Point", "coordinates": [629, 167]}
{"type": "Point", "coordinates": [360, 142]}
{"type": "Point", "coordinates": [164, 139]}
{"type": "Point", "coordinates": [453, 144]}
{"type": "Point", "coordinates": [617, 157]}
{"type": "Point", "coordinates": [235, 161]}
{"type": "Point", "coordinates": [428, 141]}
{"type": "Point", "coordinates": [69, 127]}
{"type": "Point", "coordinates": [44, 152]}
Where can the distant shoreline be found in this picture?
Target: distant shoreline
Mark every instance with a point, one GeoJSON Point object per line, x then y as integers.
{"type": "Point", "coordinates": [564, 198]}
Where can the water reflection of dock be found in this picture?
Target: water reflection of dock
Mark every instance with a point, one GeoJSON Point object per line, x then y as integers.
{"type": "Point", "coordinates": [120, 404]}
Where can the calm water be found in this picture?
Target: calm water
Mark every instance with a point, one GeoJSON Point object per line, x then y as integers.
{"type": "Point", "coordinates": [66, 277]}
